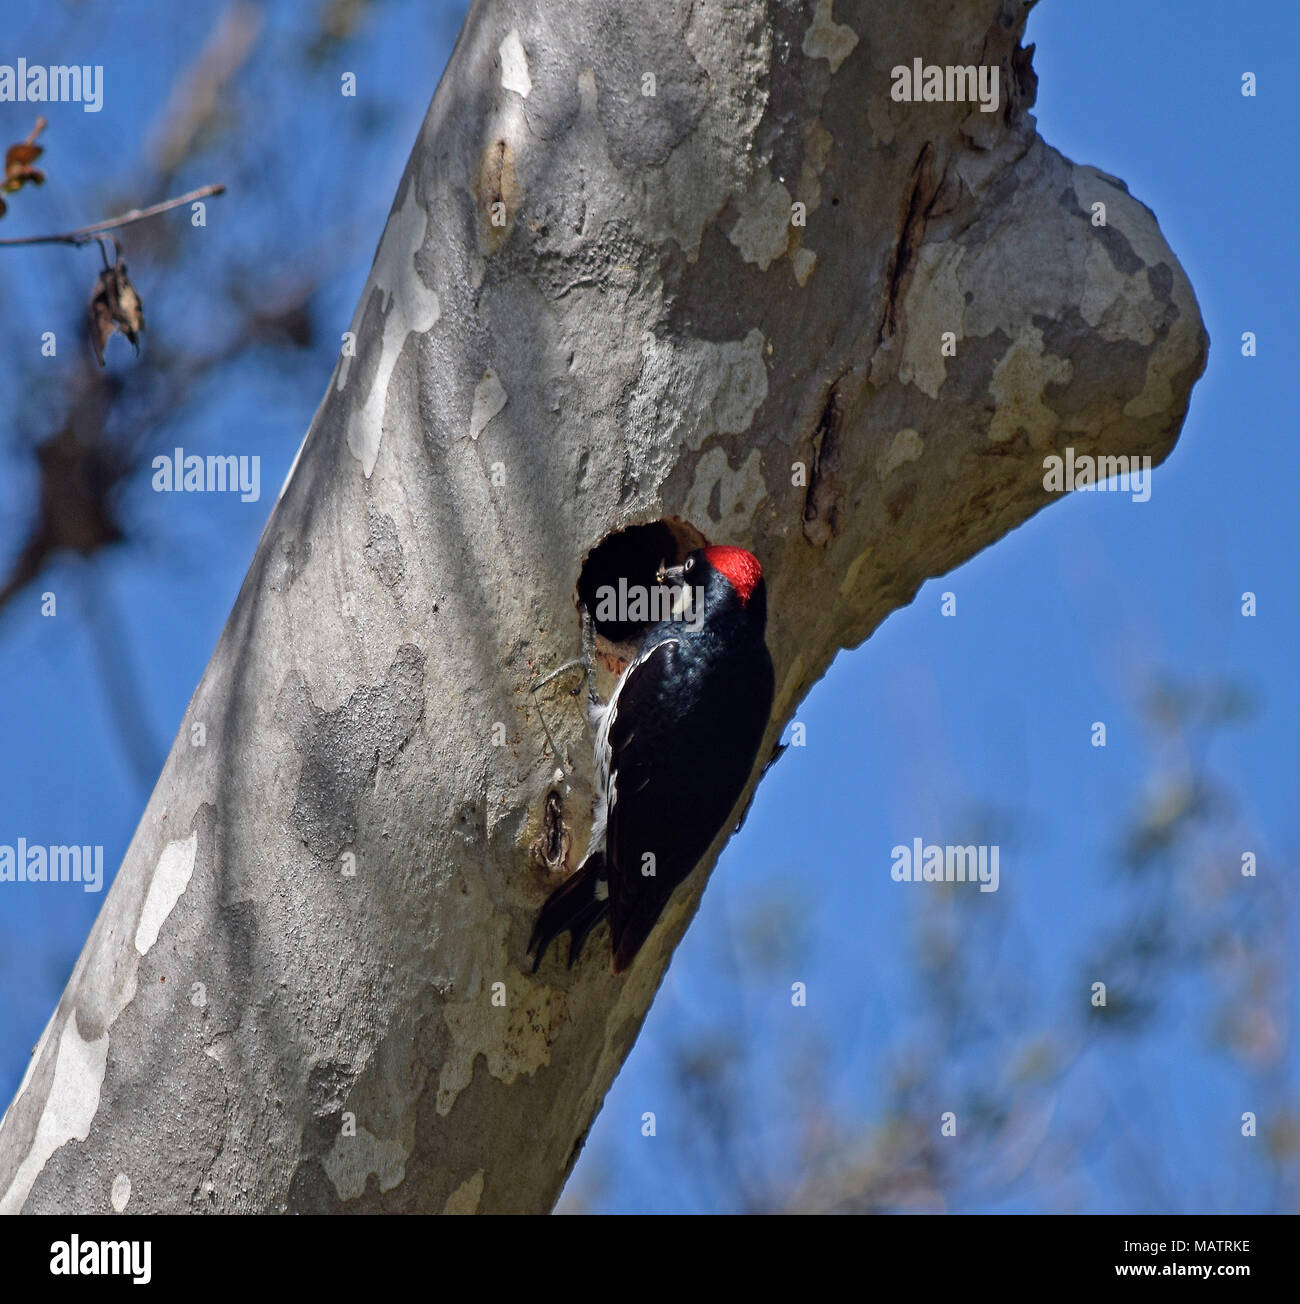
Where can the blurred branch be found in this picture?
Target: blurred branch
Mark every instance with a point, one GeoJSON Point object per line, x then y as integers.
{"type": "Point", "coordinates": [200, 89]}
{"type": "Point", "coordinates": [85, 234]}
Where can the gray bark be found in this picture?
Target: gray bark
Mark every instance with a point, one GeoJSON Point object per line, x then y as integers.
{"type": "Point", "coordinates": [647, 336]}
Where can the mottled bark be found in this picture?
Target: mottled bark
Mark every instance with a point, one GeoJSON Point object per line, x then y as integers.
{"type": "Point", "coordinates": [648, 335]}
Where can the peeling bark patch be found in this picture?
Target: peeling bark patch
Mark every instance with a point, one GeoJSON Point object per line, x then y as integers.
{"type": "Point", "coordinates": [1120, 252]}
{"type": "Point", "coordinates": [1106, 372]}
{"type": "Point", "coordinates": [1167, 368]}
{"type": "Point", "coordinates": [1018, 384]}
{"type": "Point", "coordinates": [1110, 238]}
{"type": "Point", "coordinates": [1151, 305]}
{"type": "Point", "coordinates": [1119, 305]}
{"type": "Point", "coordinates": [512, 1041]}
{"type": "Point", "coordinates": [342, 750]}
{"type": "Point", "coordinates": [762, 231]}
{"type": "Point", "coordinates": [934, 304]}
{"type": "Point", "coordinates": [727, 499]}
{"type": "Point", "coordinates": [907, 447]}
{"type": "Point", "coordinates": [353, 1158]}
{"type": "Point", "coordinates": [489, 398]}
{"type": "Point", "coordinates": [69, 1109]}
{"type": "Point", "coordinates": [409, 307]}
{"type": "Point", "coordinates": [465, 1198]}
{"type": "Point", "coordinates": [514, 65]}
{"type": "Point", "coordinates": [817, 142]}
{"type": "Point", "coordinates": [691, 390]}
{"type": "Point", "coordinates": [827, 39]}
{"type": "Point", "coordinates": [170, 879]}
{"type": "Point", "coordinates": [849, 583]}
{"type": "Point", "coordinates": [803, 261]}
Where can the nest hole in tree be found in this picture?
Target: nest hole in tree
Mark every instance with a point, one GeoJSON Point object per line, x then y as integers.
{"type": "Point", "coordinates": [632, 556]}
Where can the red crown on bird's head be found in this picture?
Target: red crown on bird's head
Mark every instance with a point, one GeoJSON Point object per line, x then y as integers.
{"type": "Point", "coordinates": [739, 566]}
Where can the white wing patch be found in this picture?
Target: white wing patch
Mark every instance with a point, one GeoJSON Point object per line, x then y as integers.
{"type": "Point", "coordinates": [607, 782]}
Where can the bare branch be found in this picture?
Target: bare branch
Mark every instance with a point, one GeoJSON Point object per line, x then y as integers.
{"type": "Point", "coordinates": [85, 234]}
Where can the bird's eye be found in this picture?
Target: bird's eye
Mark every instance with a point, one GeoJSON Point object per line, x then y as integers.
{"type": "Point", "coordinates": [690, 561]}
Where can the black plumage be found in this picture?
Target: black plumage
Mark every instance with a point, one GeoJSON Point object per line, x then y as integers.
{"type": "Point", "coordinates": [674, 749]}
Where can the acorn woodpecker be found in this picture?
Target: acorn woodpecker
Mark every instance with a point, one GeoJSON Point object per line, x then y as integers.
{"type": "Point", "coordinates": [674, 749]}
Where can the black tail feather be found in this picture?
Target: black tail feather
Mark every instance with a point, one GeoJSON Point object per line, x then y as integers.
{"type": "Point", "coordinates": [575, 907]}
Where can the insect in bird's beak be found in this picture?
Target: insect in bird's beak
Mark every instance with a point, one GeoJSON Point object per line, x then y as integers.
{"type": "Point", "coordinates": [670, 574]}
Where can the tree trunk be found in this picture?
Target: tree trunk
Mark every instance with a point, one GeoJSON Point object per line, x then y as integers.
{"type": "Point", "coordinates": [307, 988]}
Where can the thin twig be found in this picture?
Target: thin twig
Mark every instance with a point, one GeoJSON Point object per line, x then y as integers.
{"type": "Point", "coordinates": [85, 234]}
{"type": "Point", "coordinates": [40, 126]}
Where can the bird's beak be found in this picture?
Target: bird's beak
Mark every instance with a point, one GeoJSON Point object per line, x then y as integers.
{"type": "Point", "coordinates": [670, 574]}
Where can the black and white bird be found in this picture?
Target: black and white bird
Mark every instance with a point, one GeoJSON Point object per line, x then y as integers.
{"type": "Point", "coordinates": [675, 746]}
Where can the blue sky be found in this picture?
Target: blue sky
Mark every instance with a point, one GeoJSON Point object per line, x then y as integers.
{"type": "Point", "coordinates": [934, 722]}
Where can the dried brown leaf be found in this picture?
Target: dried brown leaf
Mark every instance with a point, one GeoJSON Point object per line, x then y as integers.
{"type": "Point", "coordinates": [22, 154]}
{"type": "Point", "coordinates": [18, 170]}
{"type": "Point", "coordinates": [114, 306]}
